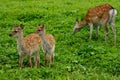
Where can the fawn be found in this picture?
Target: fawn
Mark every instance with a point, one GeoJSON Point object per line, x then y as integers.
{"type": "Point", "coordinates": [48, 44]}
{"type": "Point", "coordinates": [100, 15]}
{"type": "Point", "coordinates": [27, 45]}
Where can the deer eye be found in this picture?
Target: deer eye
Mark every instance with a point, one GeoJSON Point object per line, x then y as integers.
{"type": "Point", "coordinates": [39, 30]}
{"type": "Point", "coordinates": [15, 31]}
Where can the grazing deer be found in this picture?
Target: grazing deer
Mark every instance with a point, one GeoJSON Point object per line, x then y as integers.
{"type": "Point", "coordinates": [27, 45]}
{"type": "Point", "coordinates": [48, 44]}
{"type": "Point", "coordinates": [100, 15]}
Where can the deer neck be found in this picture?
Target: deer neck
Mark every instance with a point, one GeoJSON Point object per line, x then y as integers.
{"type": "Point", "coordinates": [45, 42]}
{"type": "Point", "coordinates": [83, 23]}
{"type": "Point", "coordinates": [20, 39]}
{"type": "Point", "coordinates": [43, 37]}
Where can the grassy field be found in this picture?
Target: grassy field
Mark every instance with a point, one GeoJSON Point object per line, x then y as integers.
{"type": "Point", "coordinates": [76, 58]}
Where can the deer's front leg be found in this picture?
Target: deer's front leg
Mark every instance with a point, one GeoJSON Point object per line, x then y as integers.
{"type": "Point", "coordinates": [36, 59]}
{"type": "Point", "coordinates": [47, 59]}
{"type": "Point", "coordinates": [97, 31]}
{"type": "Point", "coordinates": [91, 30]}
{"type": "Point", "coordinates": [52, 57]}
{"type": "Point", "coordinates": [20, 60]}
{"type": "Point", "coordinates": [29, 61]}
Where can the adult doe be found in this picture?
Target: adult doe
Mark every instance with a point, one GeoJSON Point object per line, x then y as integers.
{"type": "Point", "coordinates": [48, 44]}
{"type": "Point", "coordinates": [27, 45]}
{"type": "Point", "coordinates": [100, 15]}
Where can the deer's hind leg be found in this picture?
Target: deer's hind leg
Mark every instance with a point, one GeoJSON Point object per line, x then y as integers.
{"type": "Point", "coordinates": [114, 31]}
{"type": "Point", "coordinates": [104, 22]}
{"type": "Point", "coordinates": [112, 24]}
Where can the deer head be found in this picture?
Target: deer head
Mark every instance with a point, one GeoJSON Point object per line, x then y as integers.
{"type": "Point", "coordinates": [16, 31]}
{"type": "Point", "coordinates": [40, 29]}
{"type": "Point", "coordinates": [76, 27]}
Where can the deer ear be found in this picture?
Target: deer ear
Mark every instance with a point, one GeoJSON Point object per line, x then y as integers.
{"type": "Point", "coordinates": [22, 26]}
{"type": "Point", "coordinates": [77, 22]}
{"type": "Point", "coordinates": [38, 24]}
{"type": "Point", "coordinates": [43, 25]}
{"type": "Point", "coordinates": [77, 19]}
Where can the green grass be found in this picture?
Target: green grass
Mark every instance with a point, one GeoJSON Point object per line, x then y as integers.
{"type": "Point", "coordinates": [76, 58]}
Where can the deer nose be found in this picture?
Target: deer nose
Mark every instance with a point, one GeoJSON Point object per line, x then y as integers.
{"type": "Point", "coordinates": [10, 35]}
{"type": "Point", "coordinates": [74, 31]}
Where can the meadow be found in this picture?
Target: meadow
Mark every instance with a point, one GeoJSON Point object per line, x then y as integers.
{"type": "Point", "coordinates": [76, 57]}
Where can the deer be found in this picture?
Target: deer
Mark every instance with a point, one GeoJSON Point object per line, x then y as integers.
{"type": "Point", "coordinates": [48, 44]}
{"type": "Point", "coordinates": [101, 15]}
{"type": "Point", "coordinates": [27, 45]}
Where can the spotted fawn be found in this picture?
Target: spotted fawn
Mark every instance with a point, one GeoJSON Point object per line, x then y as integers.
{"type": "Point", "coordinates": [48, 44]}
{"type": "Point", "coordinates": [100, 15]}
{"type": "Point", "coordinates": [27, 45]}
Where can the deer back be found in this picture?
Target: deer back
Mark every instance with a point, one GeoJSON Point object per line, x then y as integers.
{"type": "Point", "coordinates": [96, 14]}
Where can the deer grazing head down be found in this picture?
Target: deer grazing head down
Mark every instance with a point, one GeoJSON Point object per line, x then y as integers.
{"type": "Point", "coordinates": [100, 15]}
{"type": "Point", "coordinates": [78, 26]}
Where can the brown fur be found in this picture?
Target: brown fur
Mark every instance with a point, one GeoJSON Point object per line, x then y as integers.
{"type": "Point", "coordinates": [48, 44]}
{"type": "Point", "coordinates": [100, 15]}
{"type": "Point", "coordinates": [27, 45]}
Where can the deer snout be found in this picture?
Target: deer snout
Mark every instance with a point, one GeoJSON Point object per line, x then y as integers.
{"type": "Point", "coordinates": [10, 35]}
{"type": "Point", "coordinates": [75, 30]}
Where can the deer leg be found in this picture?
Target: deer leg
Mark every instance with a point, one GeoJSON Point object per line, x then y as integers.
{"type": "Point", "coordinates": [52, 57]}
{"type": "Point", "coordinates": [47, 59]}
{"type": "Point", "coordinates": [29, 61]}
{"type": "Point", "coordinates": [36, 59]}
{"type": "Point", "coordinates": [104, 22]}
{"type": "Point", "coordinates": [91, 30]}
{"type": "Point", "coordinates": [107, 33]}
{"type": "Point", "coordinates": [97, 31]}
{"type": "Point", "coordinates": [20, 60]}
{"type": "Point", "coordinates": [113, 13]}
{"type": "Point", "coordinates": [114, 31]}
